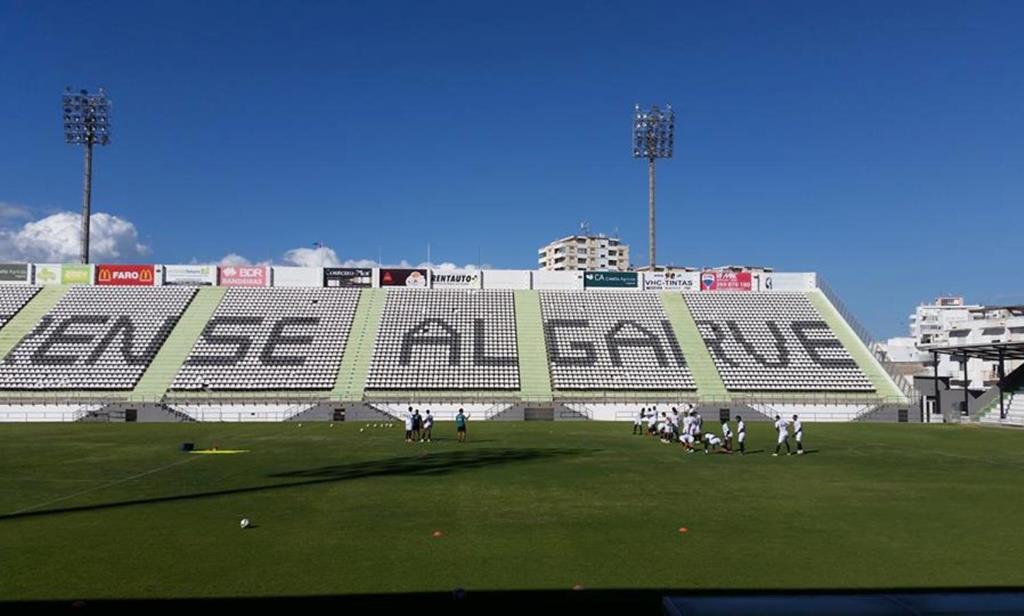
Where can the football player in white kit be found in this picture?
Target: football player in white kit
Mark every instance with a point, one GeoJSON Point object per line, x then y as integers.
{"type": "Point", "coordinates": [727, 435]}
{"type": "Point", "coordinates": [652, 419]}
{"type": "Point", "coordinates": [665, 429]}
{"type": "Point", "coordinates": [711, 441]}
{"type": "Point", "coordinates": [782, 426]}
{"type": "Point", "coordinates": [686, 438]}
{"type": "Point", "coordinates": [638, 423]}
{"type": "Point", "coordinates": [741, 433]}
{"type": "Point", "coordinates": [798, 434]}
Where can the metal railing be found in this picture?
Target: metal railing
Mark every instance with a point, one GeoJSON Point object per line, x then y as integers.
{"type": "Point", "coordinates": [868, 340]}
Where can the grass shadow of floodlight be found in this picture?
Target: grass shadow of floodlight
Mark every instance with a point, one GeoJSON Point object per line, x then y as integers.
{"type": "Point", "coordinates": [429, 465]}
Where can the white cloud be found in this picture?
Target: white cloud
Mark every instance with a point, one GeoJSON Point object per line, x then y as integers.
{"type": "Point", "coordinates": [56, 238]}
{"type": "Point", "coordinates": [327, 257]}
{"type": "Point", "coordinates": [358, 263]}
{"type": "Point", "coordinates": [312, 257]}
{"type": "Point", "coordinates": [448, 265]}
{"type": "Point", "coordinates": [233, 259]}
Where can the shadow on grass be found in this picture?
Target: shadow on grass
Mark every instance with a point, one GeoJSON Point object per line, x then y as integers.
{"type": "Point", "coordinates": [421, 465]}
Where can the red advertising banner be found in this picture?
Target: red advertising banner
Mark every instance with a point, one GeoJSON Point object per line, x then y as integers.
{"type": "Point", "coordinates": [726, 281]}
{"type": "Point", "coordinates": [125, 275]}
{"type": "Point", "coordinates": [243, 276]}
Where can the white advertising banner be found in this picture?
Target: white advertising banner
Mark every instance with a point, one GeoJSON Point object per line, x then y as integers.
{"type": "Point", "coordinates": [783, 281]}
{"type": "Point", "coordinates": [545, 280]}
{"type": "Point", "coordinates": [190, 275]}
{"type": "Point", "coordinates": [507, 279]}
{"type": "Point", "coordinates": [47, 273]}
{"type": "Point", "coordinates": [456, 279]}
{"type": "Point", "coordinates": [298, 277]}
{"type": "Point", "coordinates": [672, 281]}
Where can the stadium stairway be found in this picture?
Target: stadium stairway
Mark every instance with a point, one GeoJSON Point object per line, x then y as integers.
{"type": "Point", "coordinates": [698, 358]}
{"type": "Point", "coordinates": [534, 373]}
{"type": "Point", "coordinates": [30, 314]}
{"type": "Point", "coordinates": [355, 362]}
{"type": "Point", "coordinates": [1014, 404]}
{"type": "Point", "coordinates": [156, 380]}
{"type": "Point", "coordinates": [866, 361]}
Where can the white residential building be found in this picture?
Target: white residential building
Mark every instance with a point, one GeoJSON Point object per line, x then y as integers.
{"type": "Point", "coordinates": [584, 252]}
{"type": "Point", "coordinates": [950, 322]}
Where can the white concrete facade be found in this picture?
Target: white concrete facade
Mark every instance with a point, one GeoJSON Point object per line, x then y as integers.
{"type": "Point", "coordinates": [584, 252]}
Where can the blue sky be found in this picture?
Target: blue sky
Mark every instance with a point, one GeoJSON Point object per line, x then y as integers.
{"type": "Point", "coordinates": [877, 143]}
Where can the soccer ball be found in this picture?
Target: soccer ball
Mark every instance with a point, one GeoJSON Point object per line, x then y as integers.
{"type": "Point", "coordinates": [244, 523]}
{"type": "Point", "coordinates": [361, 429]}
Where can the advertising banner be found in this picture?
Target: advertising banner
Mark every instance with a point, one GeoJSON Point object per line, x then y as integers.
{"type": "Point", "coordinates": [117, 275]}
{"type": "Point", "coordinates": [359, 277]}
{"type": "Point", "coordinates": [725, 281]}
{"type": "Point", "coordinates": [557, 280]}
{"type": "Point", "coordinates": [775, 281]}
{"type": "Point", "coordinates": [671, 281]}
{"type": "Point", "coordinates": [14, 273]}
{"type": "Point", "coordinates": [507, 279]}
{"type": "Point", "coordinates": [243, 276]}
{"type": "Point", "coordinates": [611, 280]}
{"type": "Point", "coordinates": [455, 279]}
{"type": "Point", "coordinates": [190, 275]}
{"type": "Point", "coordinates": [403, 278]}
{"type": "Point", "coordinates": [47, 273]}
{"type": "Point", "coordinates": [297, 277]}
{"type": "Point", "coordinates": [75, 274]}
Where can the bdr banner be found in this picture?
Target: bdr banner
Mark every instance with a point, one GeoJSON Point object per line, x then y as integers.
{"type": "Point", "coordinates": [125, 275]}
{"type": "Point", "coordinates": [250, 276]}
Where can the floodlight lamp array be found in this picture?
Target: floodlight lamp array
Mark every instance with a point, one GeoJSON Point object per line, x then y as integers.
{"type": "Point", "coordinates": [86, 117]}
{"type": "Point", "coordinates": [653, 132]}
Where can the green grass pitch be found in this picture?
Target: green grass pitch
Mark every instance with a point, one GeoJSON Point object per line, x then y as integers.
{"type": "Point", "coordinates": [115, 510]}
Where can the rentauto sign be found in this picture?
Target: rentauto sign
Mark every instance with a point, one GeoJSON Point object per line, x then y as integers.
{"type": "Point", "coordinates": [125, 275]}
{"type": "Point", "coordinates": [249, 276]}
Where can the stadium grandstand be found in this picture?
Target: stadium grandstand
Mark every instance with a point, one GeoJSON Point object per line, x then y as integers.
{"type": "Point", "coordinates": [263, 343]}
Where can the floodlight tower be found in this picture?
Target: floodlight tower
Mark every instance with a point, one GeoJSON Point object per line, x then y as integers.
{"type": "Point", "coordinates": [654, 133]}
{"type": "Point", "coordinates": [87, 123]}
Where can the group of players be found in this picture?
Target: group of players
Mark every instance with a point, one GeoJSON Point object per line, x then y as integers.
{"type": "Point", "coordinates": [688, 430]}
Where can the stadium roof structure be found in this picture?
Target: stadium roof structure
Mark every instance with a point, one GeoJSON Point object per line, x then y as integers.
{"type": "Point", "coordinates": [994, 351]}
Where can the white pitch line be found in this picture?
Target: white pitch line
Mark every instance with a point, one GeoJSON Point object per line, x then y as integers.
{"type": "Point", "coordinates": [105, 485]}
